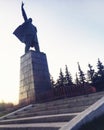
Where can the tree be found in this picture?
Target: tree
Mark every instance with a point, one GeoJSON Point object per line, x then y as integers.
{"type": "Point", "coordinates": [68, 78]}
{"type": "Point", "coordinates": [81, 75]}
{"type": "Point", "coordinates": [52, 81]}
{"type": "Point", "coordinates": [77, 80]}
{"type": "Point", "coordinates": [60, 81]}
{"type": "Point", "coordinates": [98, 79]}
{"type": "Point", "coordinates": [100, 68]}
{"type": "Point", "coordinates": [90, 74]}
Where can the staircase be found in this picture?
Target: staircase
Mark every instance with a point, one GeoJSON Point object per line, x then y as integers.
{"type": "Point", "coordinates": [49, 115]}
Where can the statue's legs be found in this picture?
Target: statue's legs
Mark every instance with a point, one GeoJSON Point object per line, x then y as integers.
{"type": "Point", "coordinates": [35, 42]}
{"type": "Point", "coordinates": [37, 47]}
{"type": "Point", "coordinates": [28, 43]}
{"type": "Point", "coordinates": [27, 47]}
{"type": "Point", "coordinates": [31, 42]}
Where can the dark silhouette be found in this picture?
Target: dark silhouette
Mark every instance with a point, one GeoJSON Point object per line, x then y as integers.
{"type": "Point", "coordinates": [90, 73]}
{"type": "Point", "coordinates": [98, 79]}
{"type": "Point", "coordinates": [77, 80]}
{"type": "Point", "coordinates": [81, 75]}
{"type": "Point", "coordinates": [61, 78]}
{"type": "Point", "coordinates": [27, 32]}
{"type": "Point", "coordinates": [68, 78]}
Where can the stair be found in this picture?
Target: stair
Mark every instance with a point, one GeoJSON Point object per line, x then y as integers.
{"type": "Point", "coordinates": [49, 115]}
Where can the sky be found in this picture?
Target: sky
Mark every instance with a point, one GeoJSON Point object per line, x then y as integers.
{"type": "Point", "coordinates": [69, 31]}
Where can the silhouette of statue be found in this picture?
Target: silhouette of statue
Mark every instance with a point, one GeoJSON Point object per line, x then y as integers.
{"type": "Point", "coordinates": [27, 33]}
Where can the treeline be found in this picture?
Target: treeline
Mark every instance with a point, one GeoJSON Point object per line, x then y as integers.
{"type": "Point", "coordinates": [5, 106]}
{"type": "Point", "coordinates": [91, 77]}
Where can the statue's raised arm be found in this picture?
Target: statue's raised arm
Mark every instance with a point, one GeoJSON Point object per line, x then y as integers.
{"type": "Point", "coordinates": [23, 12]}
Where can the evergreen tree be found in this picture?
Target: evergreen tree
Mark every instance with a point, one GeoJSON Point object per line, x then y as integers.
{"type": "Point", "coordinates": [90, 74]}
{"type": "Point", "coordinates": [57, 83]}
{"type": "Point", "coordinates": [99, 77]}
{"type": "Point", "coordinates": [100, 68]}
{"type": "Point", "coordinates": [61, 78]}
{"type": "Point", "coordinates": [52, 81]}
{"type": "Point", "coordinates": [68, 77]}
{"type": "Point", "coordinates": [77, 80]}
{"type": "Point", "coordinates": [81, 75]}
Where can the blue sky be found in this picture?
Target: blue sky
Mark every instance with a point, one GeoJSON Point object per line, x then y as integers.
{"type": "Point", "coordinates": [69, 31]}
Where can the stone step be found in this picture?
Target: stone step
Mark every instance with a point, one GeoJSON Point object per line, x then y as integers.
{"type": "Point", "coordinates": [50, 112]}
{"type": "Point", "coordinates": [60, 111]}
{"type": "Point", "coordinates": [61, 105]}
{"type": "Point", "coordinates": [41, 119]}
{"type": "Point", "coordinates": [33, 126]}
{"type": "Point", "coordinates": [77, 98]}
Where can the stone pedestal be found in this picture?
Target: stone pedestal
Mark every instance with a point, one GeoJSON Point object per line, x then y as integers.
{"type": "Point", "coordinates": [34, 77]}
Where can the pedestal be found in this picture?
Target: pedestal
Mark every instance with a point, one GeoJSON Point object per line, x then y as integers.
{"type": "Point", "coordinates": [34, 77]}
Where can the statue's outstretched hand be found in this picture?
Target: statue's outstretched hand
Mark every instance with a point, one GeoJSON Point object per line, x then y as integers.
{"type": "Point", "coordinates": [22, 4]}
{"type": "Point", "coordinates": [23, 12]}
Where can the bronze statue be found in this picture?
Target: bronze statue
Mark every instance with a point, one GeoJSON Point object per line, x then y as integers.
{"type": "Point", "coordinates": [27, 33]}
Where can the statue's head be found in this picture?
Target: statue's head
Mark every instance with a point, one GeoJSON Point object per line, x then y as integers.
{"type": "Point", "coordinates": [30, 20]}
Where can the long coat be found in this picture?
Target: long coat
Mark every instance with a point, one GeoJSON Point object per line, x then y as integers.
{"type": "Point", "coordinates": [25, 30]}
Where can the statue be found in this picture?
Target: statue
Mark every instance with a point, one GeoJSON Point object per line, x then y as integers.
{"type": "Point", "coordinates": [27, 33]}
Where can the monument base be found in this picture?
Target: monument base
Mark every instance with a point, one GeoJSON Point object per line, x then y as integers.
{"type": "Point", "coordinates": [34, 77]}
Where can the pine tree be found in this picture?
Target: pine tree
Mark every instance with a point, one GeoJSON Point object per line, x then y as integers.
{"type": "Point", "coordinates": [90, 74]}
{"type": "Point", "coordinates": [68, 77]}
{"type": "Point", "coordinates": [52, 81]}
{"type": "Point", "coordinates": [77, 80]}
{"type": "Point", "coordinates": [61, 78]}
{"type": "Point", "coordinates": [100, 68]}
{"type": "Point", "coordinates": [81, 75]}
{"type": "Point", "coordinates": [99, 77]}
